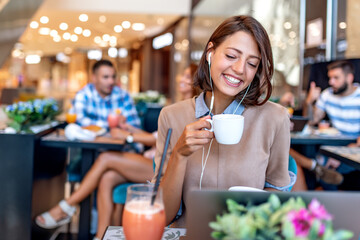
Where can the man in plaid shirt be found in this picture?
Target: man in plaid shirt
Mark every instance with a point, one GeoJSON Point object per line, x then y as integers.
{"type": "Point", "coordinates": [98, 99]}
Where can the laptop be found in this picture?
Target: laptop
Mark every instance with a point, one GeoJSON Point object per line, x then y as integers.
{"type": "Point", "coordinates": [298, 123]}
{"type": "Point", "coordinates": [205, 205]}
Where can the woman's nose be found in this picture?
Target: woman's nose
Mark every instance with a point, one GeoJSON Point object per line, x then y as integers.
{"type": "Point", "coordinates": [239, 66]}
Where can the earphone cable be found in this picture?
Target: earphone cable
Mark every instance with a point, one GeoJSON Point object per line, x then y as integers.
{"type": "Point", "coordinates": [203, 165]}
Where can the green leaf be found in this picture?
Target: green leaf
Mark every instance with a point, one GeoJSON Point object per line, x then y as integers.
{"type": "Point", "coordinates": [343, 234]}
{"type": "Point", "coordinates": [314, 230]}
{"type": "Point", "coordinates": [274, 201]}
{"type": "Point", "coordinates": [288, 230]}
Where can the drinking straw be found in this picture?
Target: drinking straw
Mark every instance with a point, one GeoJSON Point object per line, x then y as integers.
{"type": "Point", "coordinates": [157, 182]}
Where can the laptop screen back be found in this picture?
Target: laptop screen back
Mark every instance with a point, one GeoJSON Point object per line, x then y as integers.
{"type": "Point", "coordinates": [205, 205]}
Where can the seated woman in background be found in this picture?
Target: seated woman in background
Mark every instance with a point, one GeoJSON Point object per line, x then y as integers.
{"type": "Point", "coordinates": [239, 59]}
{"type": "Point", "coordinates": [110, 169]}
{"type": "Point", "coordinates": [186, 82]}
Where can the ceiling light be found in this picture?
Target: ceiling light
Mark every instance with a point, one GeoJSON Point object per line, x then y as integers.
{"type": "Point", "coordinates": [68, 50]}
{"type": "Point", "coordinates": [118, 28]}
{"type": "Point", "coordinates": [162, 41]}
{"type": "Point", "coordinates": [112, 52]}
{"type": "Point", "coordinates": [44, 31]}
{"type": "Point", "coordinates": [138, 26]}
{"type": "Point", "coordinates": [74, 38]}
{"type": "Point", "coordinates": [63, 26]}
{"type": "Point", "coordinates": [87, 33]}
{"type": "Point", "coordinates": [33, 59]}
{"type": "Point", "coordinates": [342, 25]}
{"type": "Point", "coordinates": [102, 19]}
{"type": "Point", "coordinates": [57, 38]}
{"type": "Point", "coordinates": [113, 39]}
{"type": "Point", "coordinates": [44, 19]}
{"type": "Point", "coordinates": [126, 24]}
{"type": "Point", "coordinates": [78, 30]}
{"type": "Point", "coordinates": [123, 52]}
{"type": "Point", "coordinates": [178, 46]}
{"type": "Point", "coordinates": [83, 17]}
{"type": "Point", "coordinates": [34, 24]}
{"type": "Point", "coordinates": [103, 44]}
{"type": "Point", "coordinates": [292, 34]}
{"type": "Point", "coordinates": [16, 53]}
{"type": "Point", "coordinates": [53, 33]}
{"type": "Point", "coordinates": [160, 21]}
{"type": "Point", "coordinates": [287, 25]}
{"type": "Point", "coordinates": [66, 36]}
{"type": "Point", "coordinates": [94, 54]}
{"type": "Point", "coordinates": [18, 45]}
{"type": "Point", "coordinates": [106, 37]}
{"type": "Point", "coordinates": [97, 39]}
{"type": "Point", "coordinates": [61, 57]}
{"type": "Point", "coordinates": [185, 43]}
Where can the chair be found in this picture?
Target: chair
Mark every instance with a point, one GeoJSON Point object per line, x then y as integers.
{"type": "Point", "coordinates": [292, 166]}
{"type": "Point", "coordinates": [120, 191]}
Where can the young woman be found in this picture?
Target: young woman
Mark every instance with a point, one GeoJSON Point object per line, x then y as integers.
{"type": "Point", "coordinates": [236, 68]}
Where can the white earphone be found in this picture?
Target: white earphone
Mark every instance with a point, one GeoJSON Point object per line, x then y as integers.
{"type": "Point", "coordinates": [209, 58]}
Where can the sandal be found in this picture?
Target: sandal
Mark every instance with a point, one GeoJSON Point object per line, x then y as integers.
{"type": "Point", "coordinates": [51, 223]}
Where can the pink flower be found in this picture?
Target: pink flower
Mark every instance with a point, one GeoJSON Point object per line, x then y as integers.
{"type": "Point", "coordinates": [301, 221]}
{"type": "Point", "coordinates": [318, 211]}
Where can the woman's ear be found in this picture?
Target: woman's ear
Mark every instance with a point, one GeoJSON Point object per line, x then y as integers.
{"type": "Point", "coordinates": [209, 51]}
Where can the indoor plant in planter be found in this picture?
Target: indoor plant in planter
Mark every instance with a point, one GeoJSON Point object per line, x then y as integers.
{"type": "Point", "coordinates": [23, 115]}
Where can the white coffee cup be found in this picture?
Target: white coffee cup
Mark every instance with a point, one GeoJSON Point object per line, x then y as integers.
{"type": "Point", "coordinates": [228, 128]}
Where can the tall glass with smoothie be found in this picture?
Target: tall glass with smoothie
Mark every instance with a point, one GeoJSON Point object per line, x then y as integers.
{"type": "Point", "coordinates": [113, 119]}
{"type": "Point", "coordinates": [141, 219]}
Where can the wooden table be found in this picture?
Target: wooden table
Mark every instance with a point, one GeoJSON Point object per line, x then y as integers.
{"type": "Point", "coordinates": [88, 149]}
{"type": "Point", "coordinates": [348, 155]}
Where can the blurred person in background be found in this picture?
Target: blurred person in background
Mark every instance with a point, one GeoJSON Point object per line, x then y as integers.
{"type": "Point", "coordinates": [186, 82]}
{"type": "Point", "coordinates": [341, 102]}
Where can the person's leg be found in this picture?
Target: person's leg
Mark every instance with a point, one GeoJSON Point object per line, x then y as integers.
{"type": "Point", "coordinates": [327, 175]}
{"type": "Point", "coordinates": [117, 215]}
{"type": "Point", "coordinates": [105, 205]}
{"type": "Point", "coordinates": [133, 167]}
{"type": "Point", "coordinates": [301, 160]}
{"type": "Point", "coordinates": [300, 184]}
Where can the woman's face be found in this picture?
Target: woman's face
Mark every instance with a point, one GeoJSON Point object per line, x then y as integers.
{"type": "Point", "coordinates": [234, 64]}
{"type": "Point", "coordinates": [185, 82]}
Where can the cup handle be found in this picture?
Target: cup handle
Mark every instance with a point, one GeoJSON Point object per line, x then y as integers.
{"type": "Point", "coordinates": [211, 122]}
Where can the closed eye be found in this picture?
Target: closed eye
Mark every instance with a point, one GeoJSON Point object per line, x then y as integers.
{"type": "Point", "coordinates": [252, 65]}
{"type": "Point", "coordinates": [230, 56]}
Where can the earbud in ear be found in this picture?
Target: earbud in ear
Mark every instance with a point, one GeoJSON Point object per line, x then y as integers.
{"type": "Point", "coordinates": [209, 58]}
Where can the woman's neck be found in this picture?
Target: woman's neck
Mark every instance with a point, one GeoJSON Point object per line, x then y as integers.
{"type": "Point", "coordinates": [220, 102]}
{"type": "Point", "coordinates": [187, 95]}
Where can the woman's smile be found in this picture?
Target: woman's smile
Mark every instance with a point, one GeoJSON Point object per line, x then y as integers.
{"type": "Point", "coordinates": [232, 81]}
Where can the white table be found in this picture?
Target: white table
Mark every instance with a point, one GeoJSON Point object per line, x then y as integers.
{"type": "Point", "coordinates": [116, 233]}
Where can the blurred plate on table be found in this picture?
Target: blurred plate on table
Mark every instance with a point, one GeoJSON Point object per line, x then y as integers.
{"type": "Point", "coordinates": [329, 131]}
{"type": "Point", "coordinates": [96, 129]}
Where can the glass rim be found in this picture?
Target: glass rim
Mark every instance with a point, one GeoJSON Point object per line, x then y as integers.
{"type": "Point", "coordinates": [142, 189]}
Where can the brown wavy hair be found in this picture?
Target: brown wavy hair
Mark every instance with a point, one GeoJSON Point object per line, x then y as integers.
{"type": "Point", "coordinates": [262, 80]}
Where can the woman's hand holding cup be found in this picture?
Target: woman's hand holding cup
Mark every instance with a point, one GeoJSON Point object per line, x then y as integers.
{"type": "Point", "coordinates": [194, 137]}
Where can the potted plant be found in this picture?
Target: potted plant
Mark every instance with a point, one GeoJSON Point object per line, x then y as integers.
{"type": "Point", "coordinates": [23, 115]}
{"type": "Point", "coordinates": [273, 220]}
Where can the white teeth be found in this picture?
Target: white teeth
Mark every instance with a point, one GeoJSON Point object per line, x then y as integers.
{"type": "Point", "coordinates": [232, 80]}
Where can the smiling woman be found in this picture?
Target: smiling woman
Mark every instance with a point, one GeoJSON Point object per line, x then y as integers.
{"type": "Point", "coordinates": [235, 70]}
